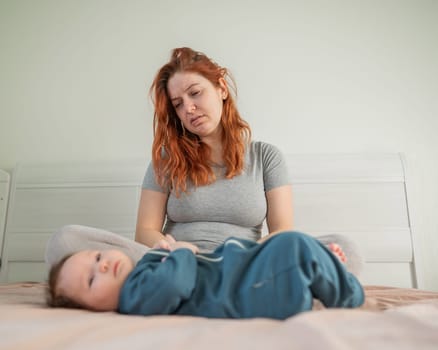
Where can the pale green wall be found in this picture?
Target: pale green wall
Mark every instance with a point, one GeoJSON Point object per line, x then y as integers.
{"type": "Point", "coordinates": [313, 76]}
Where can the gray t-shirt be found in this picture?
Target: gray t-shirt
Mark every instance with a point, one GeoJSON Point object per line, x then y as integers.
{"type": "Point", "coordinates": [207, 215]}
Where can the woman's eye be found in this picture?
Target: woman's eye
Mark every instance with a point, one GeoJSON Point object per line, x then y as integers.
{"type": "Point", "coordinates": [176, 106]}
{"type": "Point", "coordinates": [194, 93]}
{"type": "Point", "coordinates": [90, 281]}
{"type": "Point", "coordinates": [98, 256]}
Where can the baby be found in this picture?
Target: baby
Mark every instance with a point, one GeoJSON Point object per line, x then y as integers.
{"type": "Point", "coordinates": [240, 279]}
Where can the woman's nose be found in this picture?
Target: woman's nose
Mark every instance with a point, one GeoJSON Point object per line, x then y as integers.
{"type": "Point", "coordinates": [190, 107]}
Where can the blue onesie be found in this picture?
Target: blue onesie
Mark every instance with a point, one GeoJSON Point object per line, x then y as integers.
{"type": "Point", "coordinates": [241, 279]}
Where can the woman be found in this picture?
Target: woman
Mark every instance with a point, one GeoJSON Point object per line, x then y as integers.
{"type": "Point", "coordinates": [207, 179]}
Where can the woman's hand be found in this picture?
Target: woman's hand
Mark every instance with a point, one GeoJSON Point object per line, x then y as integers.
{"type": "Point", "coordinates": [169, 243]}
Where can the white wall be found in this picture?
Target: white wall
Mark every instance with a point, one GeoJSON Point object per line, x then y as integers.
{"type": "Point", "coordinates": [312, 76]}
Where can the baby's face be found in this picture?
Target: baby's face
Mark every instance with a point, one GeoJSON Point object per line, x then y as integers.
{"type": "Point", "coordinates": [94, 278]}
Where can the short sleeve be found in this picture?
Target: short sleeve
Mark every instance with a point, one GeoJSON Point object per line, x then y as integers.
{"type": "Point", "coordinates": [149, 182]}
{"type": "Point", "coordinates": [275, 170]}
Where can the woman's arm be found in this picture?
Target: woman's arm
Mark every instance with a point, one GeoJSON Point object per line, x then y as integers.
{"type": "Point", "coordinates": [151, 216]}
{"type": "Point", "coordinates": [279, 216]}
{"type": "Point", "coordinates": [150, 221]}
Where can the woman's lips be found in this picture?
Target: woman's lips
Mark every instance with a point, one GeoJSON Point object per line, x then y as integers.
{"type": "Point", "coordinates": [196, 121]}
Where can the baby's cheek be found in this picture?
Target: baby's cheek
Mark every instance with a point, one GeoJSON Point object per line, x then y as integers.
{"type": "Point", "coordinates": [109, 301]}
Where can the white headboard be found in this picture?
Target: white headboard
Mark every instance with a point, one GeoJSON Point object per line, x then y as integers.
{"type": "Point", "coordinates": [361, 196]}
{"type": "Point", "coordinates": [45, 197]}
{"type": "Point", "coordinates": [4, 195]}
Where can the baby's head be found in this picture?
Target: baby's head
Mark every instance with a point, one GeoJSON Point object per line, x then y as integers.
{"type": "Point", "coordinates": [89, 279]}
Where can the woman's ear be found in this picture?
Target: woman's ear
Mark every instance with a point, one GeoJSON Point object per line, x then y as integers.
{"type": "Point", "coordinates": [223, 88]}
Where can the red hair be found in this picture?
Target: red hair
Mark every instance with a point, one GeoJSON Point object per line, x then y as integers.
{"type": "Point", "coordinates": [179, 155]}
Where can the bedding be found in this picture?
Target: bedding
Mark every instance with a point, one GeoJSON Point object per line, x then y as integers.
{"type": "Point", "coordinates": [391, 318]}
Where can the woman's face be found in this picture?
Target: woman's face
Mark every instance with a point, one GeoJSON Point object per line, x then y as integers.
{"type": "Point", "coordinates": [197, 102]}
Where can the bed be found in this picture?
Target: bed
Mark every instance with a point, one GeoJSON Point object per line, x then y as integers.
{"type": "Point", "coordinates": [364, 197]}
{"type": "Point", "coordinates": [392, 318]}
